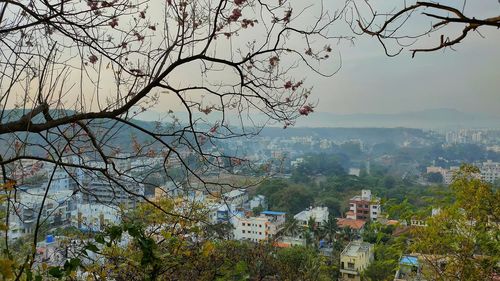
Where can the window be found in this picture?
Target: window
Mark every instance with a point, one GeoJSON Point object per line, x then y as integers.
{"type": "Point", "coordinates": [350, 276]}
{"type": "Point", "coordinates": [243, 224]}
{"type": "Point", "coordinates": [374, 207]}
{"type": "Point", "coordinates": [260, 233]}
{"type": "Point", "coordinates": [366, 206]}
{"type": "Point", "coordinates": [243, 231]}
{"type": "Point", "coordinates": [260, 225]}
{"type": "Point", "coordinates": [350, 265]}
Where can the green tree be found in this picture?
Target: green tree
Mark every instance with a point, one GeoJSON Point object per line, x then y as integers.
{"type": "Point", "coordinates": [462, 242]}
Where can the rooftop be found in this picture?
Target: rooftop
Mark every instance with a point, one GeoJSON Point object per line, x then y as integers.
{"type": "Point", "coordinates": [273, 213]}
{"type": "Point", "coordinates": [354, 224]}
{"type": "Point", "coordinates": [356, 247]}
{"type": "Point", "coordinates": [320, 214]}
{"type": "Point", "coordinates": [234, 193]}
{"type": "Point", "coordinates": [409, 260]}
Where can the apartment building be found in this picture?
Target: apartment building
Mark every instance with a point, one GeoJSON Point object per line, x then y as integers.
{"type": "Point", "coordinates": [490, 171]}
{"type": "Point", "coordinates": [235, 197]}
{"type": "Point", "coordinates": [365, 207]}
{"type": "Point", "coordinates": [57, 208]}
{"type": "Point", "coordinates": [447, 174]}
{"type": "Point", "coordinates": [354, 259]}
{"type": "Point", "coordinates": [102, 192]}
{"type": "Point", "coordinates": [260, 228]}
{"type": "Point", "coordinates": [94, 217]}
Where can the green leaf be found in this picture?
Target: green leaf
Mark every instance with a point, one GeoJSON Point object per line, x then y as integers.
{"type": "Point", "coordinates": [56, 272]}
{"type": "Point", "coordinates": [92, 247]}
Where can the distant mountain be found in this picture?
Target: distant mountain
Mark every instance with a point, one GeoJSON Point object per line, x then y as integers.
{"type": "Point", "coordinates": [426, 119]}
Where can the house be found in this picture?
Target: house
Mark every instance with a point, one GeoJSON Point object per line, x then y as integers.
{"type": "Point", "coordinates": [410, 269]}
{"type": "Point", "coordinates": [319, 214]}
{"type": "Point", "coordinates": [354, 259]}
{"type": "Point", "coordinates": [356, 225]}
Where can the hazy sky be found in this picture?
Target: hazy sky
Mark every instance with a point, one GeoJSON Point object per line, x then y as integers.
{"type": "Point", "coordinates": [467, 79]}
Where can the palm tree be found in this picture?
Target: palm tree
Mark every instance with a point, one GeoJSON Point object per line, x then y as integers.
{"type": "Point", "coordinates": [292, 228]}
{"type": "Point", "coordinates": [330, 229]}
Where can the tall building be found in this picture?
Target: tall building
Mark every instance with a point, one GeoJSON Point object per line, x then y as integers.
{"type": "Point", "coordinates": [490, 171]}
{"type": "Point", "coordinates": [355, 258]}
{"type": "Point", "coordinates": [365, 207]}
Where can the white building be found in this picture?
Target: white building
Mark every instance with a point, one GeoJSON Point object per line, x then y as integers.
{"type": "Point", "coordinates": [490, 171]}
{"type": "Point", "coordinates": [447, 174]}
{"type": "Point", "coordinates": [256, 229]}
{"type": "Point", "coordinates": [258, 201]}
{"type": "Point", "coordinates": [364, 207]}
{"type": "Point", "coordinates": [319, 214]}
{"type": "Point", "coordinates": [56, 211]}
{"type": "Point", "coordinates": [235, 197]}
{"type": "Point", "coordinates": [94, 217]}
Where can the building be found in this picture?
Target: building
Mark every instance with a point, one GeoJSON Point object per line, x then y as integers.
{"type": "Point", "coordinates": [319, 214]}
{"type": "Point", "coordinates": [356, 225]}
{"type": "Point", "coordinates": [354, 259]}
{"type": "Point", "coordinates": [447, 174]}
{"type": "Point", "coordinates": [57, 208]}
{"type": "Point", "coordinates": [235, 197]}
{"type": "Point", "coordinates": [410, 269]}
{"type": "Point", "coordinates": [102, 192]}
{"type": "Point", "coordinates": [257, 201]}
{"type": "Point", "coordinates": [354, 171]}
{"type": "Point", "coordinates": [365, 207]}
{"type": "Point", "coordinates": [490, 171]}
{"type": "Point", "coordinates": [260, 228]}
{"type": "Point", "coordinates": [94, 217]}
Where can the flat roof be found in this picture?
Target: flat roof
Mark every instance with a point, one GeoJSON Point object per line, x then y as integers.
{"type": "Point", "coordinates": [354, 248]}
{"type": "Point", "coordinates": [273, 213]}
{"type": "Point", "coordinates": [409, 260]}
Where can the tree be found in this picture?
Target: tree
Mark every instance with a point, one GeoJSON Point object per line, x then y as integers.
{"type": "Point", "coordinates": [443, 16]}
{"type": "Point", "coordinates": [434, 177]}
{"type": "Point", "coordinates": [75, 74]}
{"type": "Point", "coordinates": [462, 242]}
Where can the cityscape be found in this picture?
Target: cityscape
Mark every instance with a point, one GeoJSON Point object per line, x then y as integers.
{"type": "Point", "coordinates": [259, 140]}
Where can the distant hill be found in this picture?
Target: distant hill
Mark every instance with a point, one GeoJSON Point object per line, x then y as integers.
{"type": "Point", "coordinates": [426, 119]}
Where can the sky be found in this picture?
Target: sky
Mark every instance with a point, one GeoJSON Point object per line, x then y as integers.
{"type": "Point", "coordinates": [467, 79]}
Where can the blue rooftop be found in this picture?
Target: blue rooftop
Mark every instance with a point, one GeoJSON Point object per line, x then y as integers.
{"type": "Point", "coordinates": [273, 213]}
{"type": "Point", "coordinates": [409, 260]}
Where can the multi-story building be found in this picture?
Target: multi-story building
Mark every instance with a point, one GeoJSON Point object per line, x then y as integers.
{"type": "Point", "coordinates": [235, 197]}
{"type": "Point", "coordinates": [490, 171]}
{"type": "Point", "coordinates": [319, 214]}
{"type": "Point", "coordinates": [256, 229]}
{"type": "Point", "coordinates": [102, 192]}
{"type": "Point", "coordinates": [27, 209]}
{"type": "Point", "coordinates": [447, 174]}
{"type": "Point", "coordinates": [94, 217]}
{"type": "Point", "coordinates": [365, 207]}
{"type": "Point", "coordinates": [354, 259]}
